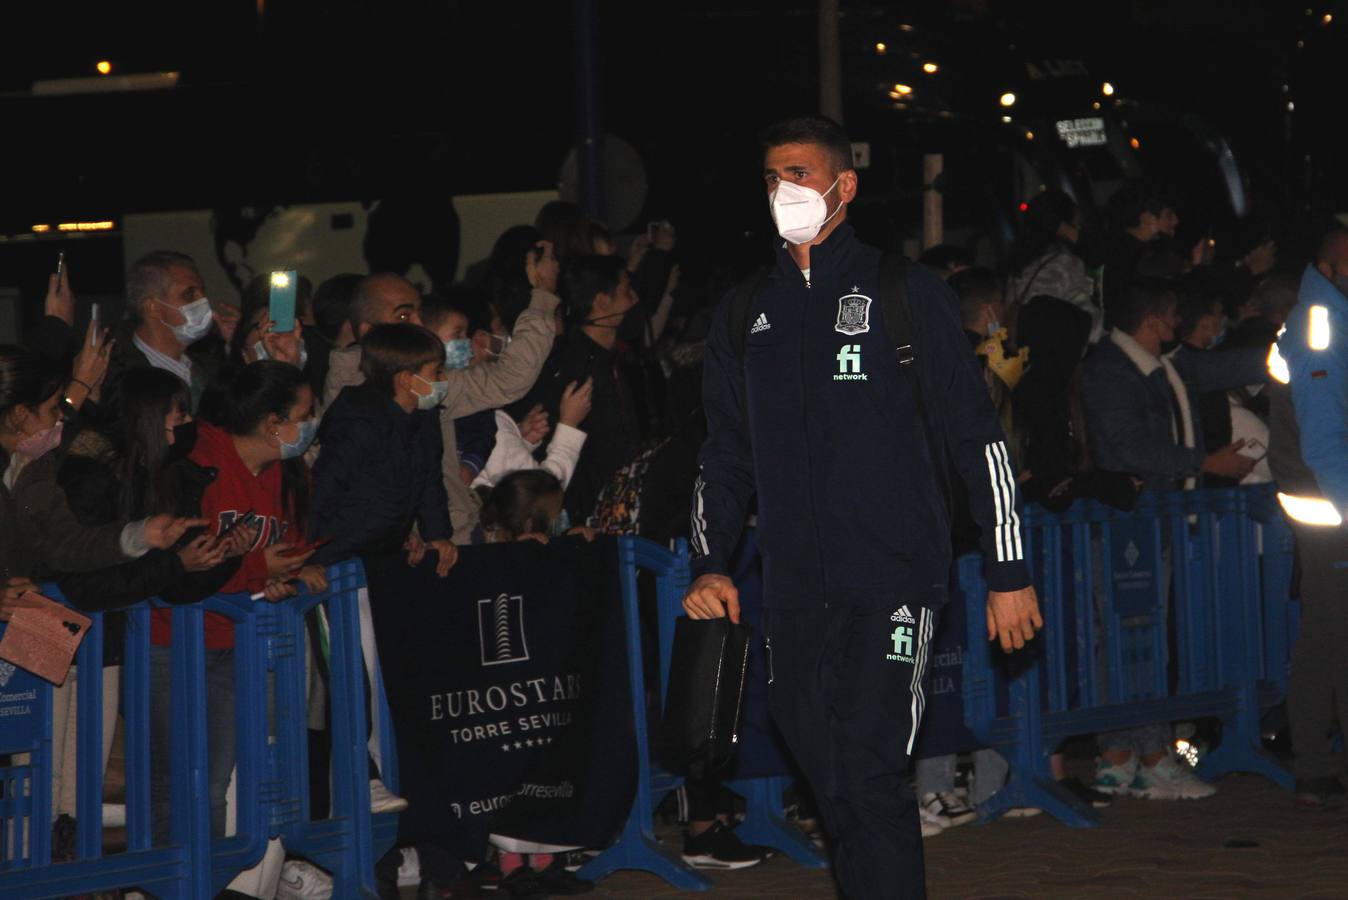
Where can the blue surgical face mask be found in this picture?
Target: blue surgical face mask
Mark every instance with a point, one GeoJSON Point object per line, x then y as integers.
{"type": "Point", "coordinates": [308, 428]}
{"type": "Point", "coordinates": [458, 353]}
{"type": "Point", "coordinates": [260, 351]}
{"type": "Point", "coordinates": [439, 390]}
{"type": "Point", "coordinates": [560, 525]}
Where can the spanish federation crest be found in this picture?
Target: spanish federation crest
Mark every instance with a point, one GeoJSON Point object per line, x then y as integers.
{"type": "Point", "coordinates": [854, 314]}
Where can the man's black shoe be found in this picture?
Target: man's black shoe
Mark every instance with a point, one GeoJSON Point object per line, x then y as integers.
{"type": "Point", "coordinates": [522, 884]}
{"type": "Point", "coordinates": [1087, 794]}
{"type": "Point", "coordinates": [558, 882]}
{"type": "Point", "coordinates": [720, 848]}
{"type": "Point", "coordinates": [462, 887]}
{"type": "Point", "coordinates": [1319, 791]}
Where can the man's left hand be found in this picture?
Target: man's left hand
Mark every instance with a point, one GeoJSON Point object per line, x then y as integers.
{"type": "Point", "coordinates": [1013, 616]}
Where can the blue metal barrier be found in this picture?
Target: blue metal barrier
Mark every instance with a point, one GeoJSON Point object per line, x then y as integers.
{"type": "Point", "coordinates": [637, 847]}
{"type": "Point", "coordinates": [272, 780]}
{"type": "Point", "coordinates": [1223, 559]}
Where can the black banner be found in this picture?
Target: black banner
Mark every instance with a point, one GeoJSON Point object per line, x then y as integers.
{"type": "Point", "coordinates": [508, 686]}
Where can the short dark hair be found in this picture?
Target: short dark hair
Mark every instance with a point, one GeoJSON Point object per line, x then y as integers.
{"type": "Point", "coordinates": [1138, 300]}
{"type": "Point", "coordinates": [1324, 253]}
{"type": "Point", "coordinates": [1196, 301]}
{"type": "Point", "coordinates": [388, 349]}
{"type": "Point", "coordinates": [1129, 202]}
{"type": "Point", "coordinates": [149, 277]}
{"type": "Point", "coordinates": [819, 130]}
{"type": "Point", "coordinates": [944, 258]}
{"type": "Point", "coordinates": [471, 302]}
{"type": "Point", "coordinates": [585, 278]}
{"type": "Point", "coordinates": [332, 303]}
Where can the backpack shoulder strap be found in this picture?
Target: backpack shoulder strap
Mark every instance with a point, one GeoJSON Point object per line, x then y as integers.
{"type": "Point", "coordinates": [740, 302]}
{"type": "Point", "coordinates": [894, 302]}
{"type": "Point", "coordinates": [899, 327]}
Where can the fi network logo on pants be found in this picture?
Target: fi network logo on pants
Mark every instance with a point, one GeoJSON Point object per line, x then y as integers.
{"type": "Point", "coordinates": [849, 364]}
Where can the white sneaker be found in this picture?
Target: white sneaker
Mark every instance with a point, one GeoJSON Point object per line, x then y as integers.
{"type": "Point", "coordinates": [382, 800]}
{"type": "Point", "coordinates": [948, 808]}
{"type": "Point", "coordinates": [1169, 780]}
{"type": "Point", "coordinates": [1022, 812]}
{"type": "Point", "coordinates": [303, 881]}
{"type": "Point", "coordinates": [932, 824]}
{"type": "Point", "coordinates": [1112, 779]}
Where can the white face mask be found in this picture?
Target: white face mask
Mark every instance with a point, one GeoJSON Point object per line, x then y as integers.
{"type": "Point", "coordinates": [800, 212]}
{"type": "Point", "coordinates": [196, 321]}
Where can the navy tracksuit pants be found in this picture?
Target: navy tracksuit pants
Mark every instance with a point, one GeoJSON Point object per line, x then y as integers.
{"type": "Point", "coordinates": [846, 692]}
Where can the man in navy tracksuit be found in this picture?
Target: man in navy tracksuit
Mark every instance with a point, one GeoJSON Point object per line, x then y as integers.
{"type": "Point", "coordinates": [821, 422]}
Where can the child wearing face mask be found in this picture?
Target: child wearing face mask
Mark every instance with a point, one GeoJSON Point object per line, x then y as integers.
{"type": "Point", "coordinates": [378, 470]}
{"type": "Point", "coordinates": [261, 486]}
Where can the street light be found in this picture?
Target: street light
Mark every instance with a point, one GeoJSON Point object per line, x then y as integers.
{"type": "Point", "coordinates": [1008, 99]}
{"type": "Point", "coordinates": [903, 89]}
{"type": "Point", "coordinates": [881, 49]}
{"type": "Point", "coordinates": [1107, 89]}
{"type": "Point", "coordinates": [104, 67]}
{"type": "Point", "coordinates": [930, 68]}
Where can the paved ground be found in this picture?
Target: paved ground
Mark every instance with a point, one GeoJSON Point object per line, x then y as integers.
{"type": "Point", "coordinates": [1248, 841]}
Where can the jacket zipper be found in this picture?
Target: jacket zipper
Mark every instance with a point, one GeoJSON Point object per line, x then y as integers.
{"type": "Point", "coordinates": [809, 459]}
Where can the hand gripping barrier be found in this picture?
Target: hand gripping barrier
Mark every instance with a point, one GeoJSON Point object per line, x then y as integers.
{"type": "Point", "coordinates": [1222, 558]}
{"type": "Point", "coordinates": [272, 781]}
{"type": "Point", "coordinates": [637, 847]}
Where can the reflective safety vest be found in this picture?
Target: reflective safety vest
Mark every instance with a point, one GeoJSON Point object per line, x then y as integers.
{"type": "Point", "coordinates": [1307, 368]}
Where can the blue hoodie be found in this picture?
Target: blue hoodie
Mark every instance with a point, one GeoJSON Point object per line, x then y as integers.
{"type": "Point", "coordinates": [820, 421]}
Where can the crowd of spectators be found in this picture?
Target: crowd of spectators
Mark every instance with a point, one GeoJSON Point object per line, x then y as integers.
{"type": "Point", "coordinates": [194, 448]}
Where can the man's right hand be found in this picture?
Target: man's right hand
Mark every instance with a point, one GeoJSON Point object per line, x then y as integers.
{"type": "Point", "coordinates": [711, 597]}
{"type": "Point", "coordinates": [1229, 462]}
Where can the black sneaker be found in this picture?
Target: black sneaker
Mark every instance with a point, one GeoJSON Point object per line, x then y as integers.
{"type": "Point", "coordinates": [1086, 794]}
{"type": "Point", "coordinates": [572, 860]}
{"type": "Point", "coordinates": [522, 884]}
{"type": "Point", "coordinates": [558, 882]}
{"type": "Point", "coordinates": [719, 848]}
{"type": "Point", "coordinates": [1326, 791]}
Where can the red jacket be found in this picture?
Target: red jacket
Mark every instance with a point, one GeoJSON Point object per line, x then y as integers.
{"type": "Point", "coordinates": [235, 491]}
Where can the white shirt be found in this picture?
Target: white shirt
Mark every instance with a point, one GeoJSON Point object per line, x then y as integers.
{"type": "Point", "coordinates": [180, 367]}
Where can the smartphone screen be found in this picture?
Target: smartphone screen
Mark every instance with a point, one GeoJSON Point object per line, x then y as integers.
{"type": "Point", "coordinates": [60, 264]}
{"type": "Point", "coordinates": [281, 309]}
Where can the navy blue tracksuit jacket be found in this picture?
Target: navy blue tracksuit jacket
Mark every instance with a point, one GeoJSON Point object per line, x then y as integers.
{"type": "Point", "coordinates": [821, 422]}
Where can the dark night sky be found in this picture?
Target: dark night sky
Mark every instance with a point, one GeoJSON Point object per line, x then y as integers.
{"type": "Point", "coordinates": [366, 98]}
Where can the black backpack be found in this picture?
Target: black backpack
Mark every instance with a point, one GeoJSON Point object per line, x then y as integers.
{"type": "Point", "coordinates": [898, 321]}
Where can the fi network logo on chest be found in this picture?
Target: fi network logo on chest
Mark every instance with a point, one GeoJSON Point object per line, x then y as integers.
{"type": "Point", "coordinates": [849, 364]}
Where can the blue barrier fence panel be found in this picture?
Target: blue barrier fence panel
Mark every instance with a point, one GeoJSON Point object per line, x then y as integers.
{"type": "Point", "coordinates": [1108, 579]}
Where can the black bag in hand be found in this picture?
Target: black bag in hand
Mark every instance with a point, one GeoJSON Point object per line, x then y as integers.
{"type": "Point", "coordinates": [706, 688]}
